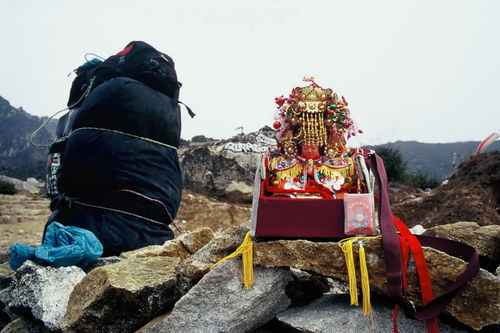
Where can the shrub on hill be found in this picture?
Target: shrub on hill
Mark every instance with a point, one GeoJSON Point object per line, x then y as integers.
{"type": "Point", "coordinates": [421, 181]}
{"type": "Point", "coordinates": [7, 188]}
{"type": "Point", "coordinates": [395, 167]}
{"type": "Point", "coordinates": [393, 162]}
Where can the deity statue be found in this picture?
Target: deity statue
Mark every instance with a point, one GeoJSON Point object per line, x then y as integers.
{"type": "Point", "coordinates": [311, 154]}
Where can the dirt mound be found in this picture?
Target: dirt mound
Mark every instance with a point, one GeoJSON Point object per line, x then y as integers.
{"type": "Point", "coordinates": [198, 211]}
{"type": "Point", "coordinates": [471, 194]}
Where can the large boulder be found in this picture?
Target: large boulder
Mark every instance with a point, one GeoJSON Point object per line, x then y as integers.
{"type": "Point", "coordinates": [225, 169]}
{"type": "Point", "coordinates": [220, 303]}
{"type": "Point", "coordinates": [210, 171]}
{"type": "Point", "coordinates": [123, 296]}
{"type": "Point", "coordinates": [326, 258]}
{"type": "Point", "coordinates": [332, 313]}
{"type": "Point", "coordinates": [42, 292]}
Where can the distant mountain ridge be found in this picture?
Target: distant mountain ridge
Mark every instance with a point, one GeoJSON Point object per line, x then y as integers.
{"type": "Point", "coordinates": [436, 159]}
{"type": "Point", "coordinates": [19, 159]}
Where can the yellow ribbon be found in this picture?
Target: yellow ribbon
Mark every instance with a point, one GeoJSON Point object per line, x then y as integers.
{"type": "Point", "coordinates": [246, 251]}
{"type": "Point", "coordinates": [346, 246]}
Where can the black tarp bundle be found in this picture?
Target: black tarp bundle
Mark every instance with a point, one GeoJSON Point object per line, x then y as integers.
{"type": "Point", "coordinates": [114, 168]}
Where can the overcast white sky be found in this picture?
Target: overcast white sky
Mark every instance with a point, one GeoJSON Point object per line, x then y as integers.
{"type": "Point", "coordinates": [426, 70]}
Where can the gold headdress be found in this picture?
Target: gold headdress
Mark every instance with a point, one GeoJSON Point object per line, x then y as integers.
{"type": "Point", "coordinates": [314, 116]}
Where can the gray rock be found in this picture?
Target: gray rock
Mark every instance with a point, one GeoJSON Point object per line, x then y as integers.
{"type": "Point", "coordinates": [42, 291]}
{"type": "Point", "coordinates": [306, 286]}
{"type": "Point", "coordinates": [122, 297]}
{"type": "Point", "coordinates": [338, 287]}
{"type": "Point", "coordinates": [6, 219]}
{"type": "Point", "coordinates": [332, 313]}
{"type": "Point", "coordinates": [219, 302]}
{"type": "Point", "coordinates": [225, 169]}
{"type": "Point", "coordinates": [194, 267]}
{"type": "Point", "coordinates": [23, 325]}
{"type": "Point", "coordinates": [195, 240]}
{"type": "Point", "coordinates": [207, 171]}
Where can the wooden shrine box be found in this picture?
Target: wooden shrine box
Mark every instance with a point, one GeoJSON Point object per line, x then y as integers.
{"type": "Point", "coordinates": [285, 217]}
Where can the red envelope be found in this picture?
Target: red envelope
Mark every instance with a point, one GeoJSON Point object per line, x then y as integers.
{"type": "Point", "coordinates": [359, 217]}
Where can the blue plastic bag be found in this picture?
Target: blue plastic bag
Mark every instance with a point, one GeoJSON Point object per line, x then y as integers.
{"type": "Point", "coordinates": [62, 246]}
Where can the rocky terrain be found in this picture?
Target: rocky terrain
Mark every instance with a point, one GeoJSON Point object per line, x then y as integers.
{"type": "Point", "coordinates": [171, 288]}
{"type": "Point", "coordinates": [300, 286]}
{"type": "Point", "coordinates": [471, 194]}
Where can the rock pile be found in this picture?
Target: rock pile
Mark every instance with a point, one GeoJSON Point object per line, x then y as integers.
{"type": "Point", "coordinates": [299, 285]}
{"type": "Point", "coordinates": [471, 194]}
{"type": "Point", "coordinates": [224, 169]}
{"type": "Point", "coordinates": [170, 288]}
{"type": "Point", "coordinates": [443, 269]}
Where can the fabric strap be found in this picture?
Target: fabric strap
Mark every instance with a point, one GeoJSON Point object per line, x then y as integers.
{"type": "Point", "coordinates": [390, 241]}
{"type": "Point", "coordinates": [409, 243]}
{"type": "Point", "coordinates": [456, 249]}
{"type": "Point", "coordinates": [394, 260]}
